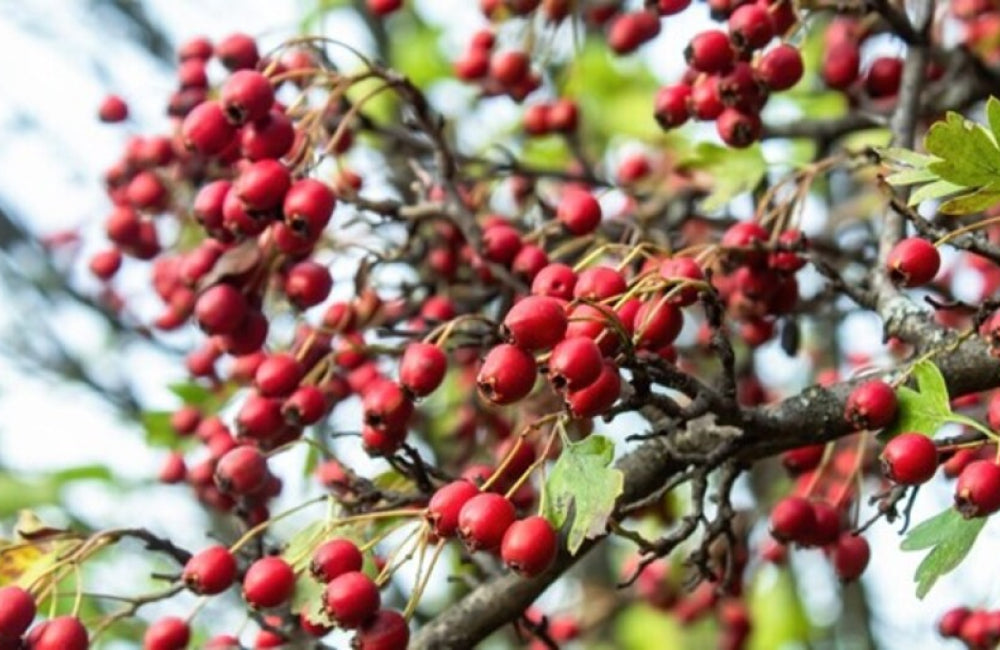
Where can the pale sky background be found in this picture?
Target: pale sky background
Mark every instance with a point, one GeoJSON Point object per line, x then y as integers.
{"type": "Point", "coordinates": [60, 59]}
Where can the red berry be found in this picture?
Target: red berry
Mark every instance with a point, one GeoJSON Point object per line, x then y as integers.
{"type": "Point", "coordinates": [241, 471]}
{"type": "Point", "coordinates": [220, 309]}
{"type": "Point", "coordinates": [579, 212]}
{"type": "Point", "coordinates": [977, 491]}
{"type": "Point", "coordinates": [913, 262]}
{"type": "Point", "coordinates": [173, 469]}
{"type": "Point", "coordinates": [207, 130]}
{"type": "Point", "coordinates": [555, 280]}
{"type": "Point", "coordinates": [387, 407]}
{"type": "Point", "coordinates": [268, 582]}
{"type": "Point", "coordinates": [780, 68]}
{"type": "Point", "coordinates": [671, 7]}
{"type": "Point", "coordinates": [657, 323]}
{"type": "Point", "coordinates": [671, 105]}
{"type": "Point", "coordinates": [170, 633]}
{"type": "Point", "coordinates": [246, 96]}
{"type": "Point", "coordinates": [630, 30]}
{"type": "Point", "coordinates": [529, 546]}
{"type": "Point", "coordinates": [259, 417]}
{"type": "Point", "coordinates": [60, 633]}
{"type": "Point", "coordinates": [422, 368]}
{"type": "Point", "coordinates": [803, 459]}
{"type": "Point", "coordinates": [750, 27]}
{"type": "Point", "coordinates": [113, 109]}
{"type": "Point", "coordinates": [850, 557]}
{"type": "Point", "coordinates": [871, 405]}
{"type": "Point", "coordinates": [575, 363]}
{"type": "Point", "coordinates": [484, 519]}
{"type": "Point", "coordinates": [386, 631]}
{"type": "Point", "coordinates": [510, 67]}
{"type": "Point", "coordinates": [307, 405]}
{"type": "Point", "coordinates": [884, 77]}
{"type": "Point", "coordinates": [535, 323]}
{"type": "Point", "coordinates": [351, 599]}
{"type": "Point", "coordinates": [262, 185]}
{"type": "Point", "coordinates": [705, 102]}
{"type": "Point", "coordinates": [501, 243]}
{"type": "Point", "coordinates": [599, 283]}
{"type": "Point", "coordinates": [445, 505]}
{"type": "Point", "coordinates": [841, 63]}
{"type": "Point", "coordinates": [597, 397]}
{"type": "Point", "coordinates": [17, 610]}
{"type": "Point", "coordinates": [248, 337]}
{"type": "Point", "coordinates": [237, 52]}
{"type": "Point", "coordinates": [710, 52]}
{"type": "Point", "coordinates": [536, 119]}
{"type": "Point", "coordinates": [308, 206]}
{"type": "Point", "coordinates": [334, 558]}
{"type": "Point", "coordinates": [792, 519]}
{"type": "Point", "coordinates": [910, 459]}
{"type": "Point", "coordinates": [105, 264]}
{"type": "Point", "coordinates": [682, 269]}
{"type": "Point", "coordinates": [737, 128]}
{"type": "Point", "coordinates": [308, 284]}
{"type": "Point", "coordinates": [277, 375]}
{"type": "Point", "coordinates": [563, 116]}
{"type": "Point", "coordinates": [210, 571]}
{"type": "Point", "coordinates": [827, 528]}
{"type": "Point", "coordinates": [383, 7]}
{"type": "Point", "coordinates": [951, 622]}
{"type": "Point", "coordinates": [507, 374]}
{"type": "Point", "coordinates": [529, 261]}
{"type": "Point", "coordinates": [271, 136]}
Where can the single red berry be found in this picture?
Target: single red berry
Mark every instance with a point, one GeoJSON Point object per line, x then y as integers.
{"type": "Point", "coordinates": [259, 417]}
{"type": "Point", "coordinates": [210, 571]}
{"type": "Point", "coordinates": [351, 599]}
{"type": "Point", "coordinates": [268, 582]}
{"type": "Point", "coordinates": [422, 368]}
{"type": "Point", "coordinates": [507, 374]}
{"type": "Point", "coordinates": [682, 270]}
{"type": "Point", "coordinates": [308, 284]}
{"type": "Point", "coordinates": [750, 27]}
{"type": "Point", "coordinates": [484, 519]}
{"type": "Point", "coordinates": [262, 185]}
{"type": "Point", "coordinates": [913, 262]}
{"type": "Point", "coordinates": [630, 30]}
{"type": "Point", "coordinates": [334, 558]}
{"type": "Point", "coordinates": [671, 105]}
{"type": "Point", "coordinates": [529, 261]}
{"type": "Point", "coordinates": [792, 519]}
{"type": "Point", "coordinates": [308, 207]}
{"type": "Point", "coordinates": [17, 610]}
{"type": "Point", "coordinates": [169, 633]}
{"type": "Point", "coordinates": [535, 323]}
{"type": "Point", "coordinates": [529, 546]}
{"type": "Point", "coordinates": [192, 74]}
{"type": "Point", "coordinates": [445, 505]}
{"type": "Point", "coordinates": [803, 459]}
{"type": "Point", "coordinates": [828, 525]}
{"type": "Point", "coordinates": [501, 243]}
{"type": "Point", "coordinates": [871, 405]}
{"type": "Point", "coordinates": [657, 323]}
{"type": "Point", "coordinates": [60, 633]}
{"type": "Point", "coordinates": [246, 96]}
{"type": "Point", "coordinates": [850, 556]}
{"type": "Point", "coordinates": [173, 470]}
{"type": "Point", "coordinates": [474, 64]}
{"type": "Point", "coordinates": [307, 405]}
{"type": "Point", "coordinates": [740, 89]}
{"type": "Point", "coordinates": [147, 192]}
{"type": "Point", "coordinates": [387, 630]}
{"type": "Point", "coordinates": [705, 102]}
{"type": "Point", "coordinates": [780, 68]}
{"type": "Point", "coordinates": [671, 7]}
{"type": "Point", "coordinates": [841, 63]}
{"type": "Point", "coordinates": [910, 459]}
{"type": "Point", "coordinates": [599, 283]}
{"type": "Point", "coordinates": [387, 407]}
{"type": "Point", "coordinates": [241, 471]}
{"type": "Point", "coordinates": [597, 397]}
{"type": "Point", "coordinates": [207, 130]}
{"type": "Point", "coordinates": [536, 119]}
{"type": "Point", "coordinates": [510, 67]}
{"type": "Point", "coordinates": [737, 128]}
{"type": "Point", "coordinates": [950, 624]}
{"type": "Point", "coordinates": [884, 77]}
{"type": "Point", "coordinates": [105, 264]}
{"type": "Point", "coordinates": [113, 109]}
{"type": "Point", "coordinates": [579, 212]}
{"type": "Point", "coordinates": [277, 375]}
{"type": "Point", "coordinates": [220, 309]}
{"type": "Point", "coordinates": [789, 260]}
{"type": "Point", "coordinates": [563, 116]}
{"type": "Point", "coordinates": [977, 491]}
{"type": "Point", "coordinates": [271, 136]}
{"type": "Point", "coordinates": [383, 7]}
{"type": "Point", "coordinates": [198, 47]}
{"type": "Point", "coordinates": [248, 337]}
{"type": "Point", "coordinates": [710, 51]}
{"type": "Point", "coordinates": [575, 363]}
{"type": "Point", "coordinates": [237, 52]}
{"type": "Point", "coordinates": [556, 280]}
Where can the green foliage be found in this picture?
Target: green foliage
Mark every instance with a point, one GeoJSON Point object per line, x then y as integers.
{"type": "Point", "coordinates": [924, 410]}
{"type": "Point", "coordinates": [950, 537]}
{"type": "Point", "coordinates": [734, 171]}
{"type": "Point", "coordinates": [643, 627]}
{"type": "Point", "coordinates": [415, 53]}
{"type": "Point", "coordinates": [583, 487]}
{"type": "Point", "coordinates": [779, 619]}
{"type": "Point", "coordinates": [962, 162]}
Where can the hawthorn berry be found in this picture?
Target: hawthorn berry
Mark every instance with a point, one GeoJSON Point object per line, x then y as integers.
{"type": "Point", "coordinates": [334, 558]}
{"type": "Point", "coordinates": [241, 471]}
{"type": "Point", "coordinates": [246, 96]}
{"type": "Point", "coordinates": [113, 109]}
{"type": "Point", "coordinates": [827, 526]}
{"type": "Point", "coordinates": [60, 633]}
{"type": "Point", "coordinates": [910, 459]}
{"type": "Point", "coordinates": [207, 130]}
{"type": "Point", "coordinates": [780, 68]}
{"type": "Point", "coordinates": [351, 599]}
{"type": "Point", "coordinates": [510, 67]}
{"type": "Point", "coordinates": [259, 417]}
{"type": "Point", "coordinates": [445, 505]}
{"type": "Point", "coordinates": [529, 546]}
{"type": "Point", "coordinates": [913, 262]}
{"type": "Point", "coordinates": [670, 107]}
{"type": "Point", "coordinates": [387, 630]}
{"type": "Point", "coordinates": [710, 52]}
{"type": "Point", "coordinates": [575, 363]}
{"type": "Point", "coordinates": [750, 27]}
{"type": "Point", "coordinates": [17, 610]}
{"type": "Point", "coordinates": [535, 323]}
{"type": "Point", "coordinates": [308, 284]}
{"type": "Point", "coordinates": [237, 52]}
{"type": "Point", "coordinates": [422, 368]}
{"type": "Point", "coordinates": [630, 30]}
{"type": "Point", "coordinates": [705, 102]}
{"type": "Point", "coordinates": [950, 624]}
{"type": "Point", "coordinates": [210, 571]}
{"type": "Point", "coordinates": [555, 280]}
{"type": "Point", "coordinates": [483, 520]}
{"type": "Point", "coordinates": [850, 556]}
{"type": "Point", "coordinates": [169, 633]}
{"type": "Point", "coordinates": [657, 323]}
{"type": "Point", "coordinates": [803, 459]}
{"type": "Point", "coordinates": [599, 283]}
{"type": "Point", "coordinates": [977, 491]}
{"type": "Point", "coordinates": [738, 128]}
{"type": "Point", "coordinates": [841, 63]}
{"type": "Point", "coordinates": [579, 212]}
{"type": "Point", "coordinates": [387, 407]}
{"type": "Point", "coordinates": [262, 185]}
{"type": "Point", "coordinates": [682, 269]}
{"type": "Point", "coordinates": [270, 136]}
{"type": "Point", "coordinates": [507, 374]}
{"type": "Point", "coordinates": [792, 519]}
{"type": "Point", "coordinates": [884, 76]}
{"type": "Point", "coordinates": [268, 582]}
{"type": "Point", "coordinates": [598, 396]}
{"type": "Point", "coordinates": [220, 309]}
{"type": "Point", "coordinates": [871, 405]}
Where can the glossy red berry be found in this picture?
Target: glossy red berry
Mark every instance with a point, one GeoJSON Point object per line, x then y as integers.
{"type": "Point", "coordinates": [271, 136]}
{"type": "Point", "coordinates": [682, 270]}
{"type": "Point", "coordinates": [60, 633]}
{"type": "Point", "coordinates": [307, 405]}
{"type": "Point", "coordinates": [913, 262]}
{"type": "Point", "coordinates": [750, 27]}
{"type": "Point", "coordinates": [780, 68]}
{"type": "Point", "coordinates": [173, 470]}
{"type": "Point", "coordinates": [977, 491]}
{"type": "Point", "coordinates": [169, 633]}
{"type": "Point", "coordinates": [871, 405]}
{"type": "Point", "coordinates": [738, 128]}
{"type": "Point", "coordinates": [597, 397]}
{"type": "Point", "coordinates": [351, 599]}
{"type": "Point", "coordinates": [599, 283]}
{"type": "Point", "coordinates": [579, 212]}
{"type": "Point", "coordinates": [803, 459]}
{"type": "Point", "coordinates": [334, 558]}
{"type": "Point", "coordinates": [950, 624]}
{"type": "Point", "coordinates": [207, 130]}
{"type": "Point", "coordinates": [792, 519]}
{"type": "Point", "coordinates": [841, 63]}
{"type": "Point", "coordinates": [529, 261]}
{"type": "Point", "coordinates": [884, 77]}
{"type": "Point", "coordinates": [710, 51]}
{"type": "Point", "coordinates": [105, 264]}
{"type": "Point", "coordinates": [910, 459]}
{"type": "Point", "coordinates": [575, 363]}
{"type": "Point", "coordinates": [850, 556]}
{"type": "Point", "coordinates": [630, 30]}
{"type": "Point", "coordinates": [510, 67]}
{"type": "Point", "coordinates": [268, 582]}
{"type": "Point", "coordinates": [248, 337]}
{"type": "Point", "coordinates": [555, 280]}
{"type": "Point", "coordinates": [484, 519]}
{"type": "Point", "coordinates": [308, 284]}
{"type": "Point", "coordinates": [113, 109]}
{"type": "Point", "coordinates": [422, 368]}
{"type": "Point", "coordinates": [262, 185]}
{"type": "Point", "coordinates": [657, 323]}
{"type": "Point", "coordinates": [237, 52]}
{"type": "Point", "coordinates": [507, 374]}
{"type": "Point", "coordinates": [241, 471]}
{"type": "Point", "coordinates": [563, 116]}
{"type": "Point", "coordinates": [387, 407]}
{"type": "Point", "coordinates": [246, 96]}
{"type": "Point", "coordinates": [670, 106]}
{"type": "Point", "coordinates": [220, 309]}
{"type": "Point", "coordinates": [17, 610]}
{"type": "Point", "coordinates": [387, 630]}
{"type": "Point", "coordinates": [445, 505]}
{"type": "Point", "coordinates": [501, 243]}
{"type": "Point", "coordinates": [671, 7]}
{"type": "Point", "coordinates": [277, 375]}
{"type": "Point", "coordinates": [529, 546]}
{"type": "Point", "coordinates": [705, 102]}
{"type": "Point", "coordinates": [535, 323]}
{"type": "Point", "coordinates": [210, 571]}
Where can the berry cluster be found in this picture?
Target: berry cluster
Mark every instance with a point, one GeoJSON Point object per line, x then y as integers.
{"type": "Point", "coordinates": [978, 629]}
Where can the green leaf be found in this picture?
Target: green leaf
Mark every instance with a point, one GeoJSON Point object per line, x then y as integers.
{"type": "Point", "coordinates": [924, 410]}
{"type": "Point", "coordinates": [416, 53]}
{"type": "Point", "coordinates": [973, 202]}
{"type": "Point", "coordinates": [934, 190]}
{"type": "Point", "coordinates": [910, 177]}
{"type": "Point", "coordinates": [298, 552]}
{"type": "Point", "coordinates": [191, 394]}
{"type": "Point", "coordinates": [969, 156]}
{"type": "Point", "coordinates": [905, 157]}
{"type": "Point", "coordinates": [159, 432]}
{"type": "Point", "coordinates": [993, 115]}
{"type": "Point", "coordinates": [583, 487]}
{"type": "Point", "coordinates": [735, 171]}
{"type": "Point", "coordinates": [951, 536]}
